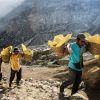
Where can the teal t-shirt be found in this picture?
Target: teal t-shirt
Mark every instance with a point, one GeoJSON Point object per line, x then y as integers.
{"type": "Point", "coordinates": [75, 56]}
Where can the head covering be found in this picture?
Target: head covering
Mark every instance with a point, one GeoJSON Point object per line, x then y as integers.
{"type": "Point", "coordinates": [80, 36]}
{"type": "Point", "coordinates": [16, 49]}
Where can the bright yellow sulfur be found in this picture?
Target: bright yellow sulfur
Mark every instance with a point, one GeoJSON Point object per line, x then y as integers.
{"type": "Point", "coordinates": [56, 40]}
{"type": "Point", "coordinates": [57, 44]}
{"type": "Point", "coordinates": [94, 39]}
{"type": "Point", "coordinates": [52, 44]}
{"type": "Point", "coordinates": [28, 53]}
{"type": "Point", "coordinates": [97, 56]}
{"type": "Point", "coordinates": [23, 47]}
{"type": "Point", "coordinates": [5, 53]}
{"type": "Point", "coordinates": [86, 34]}
{"type": "Point", "coordinates": [59, 40]}
{"type": "Point", "coordinates": [64, 40]}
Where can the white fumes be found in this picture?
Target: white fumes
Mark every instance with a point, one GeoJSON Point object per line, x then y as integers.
{"type": "Point", "coordinates": [6, 6]}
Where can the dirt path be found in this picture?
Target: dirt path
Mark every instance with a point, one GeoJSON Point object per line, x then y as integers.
{"type": "Point", "coordinates": [35, 72]}
{"type": "Point", "coordinates": [40, 77]}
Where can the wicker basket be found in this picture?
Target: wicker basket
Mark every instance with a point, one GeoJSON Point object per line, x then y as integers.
{"type": "Point", "coordinates": [60, 51]}
{"type": "Point", "coordinates": [94, 48]}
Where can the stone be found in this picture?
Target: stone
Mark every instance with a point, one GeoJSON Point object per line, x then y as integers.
{"type": "Point", "coordinates": [78, 96]}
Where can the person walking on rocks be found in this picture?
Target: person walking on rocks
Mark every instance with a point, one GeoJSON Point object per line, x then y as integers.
{"type": "Point", "coordinates": [0, 67]}
{"type": "Point", "coordinates": [75, 65]}
{"type": "Point", "coordinates": [16, 69]}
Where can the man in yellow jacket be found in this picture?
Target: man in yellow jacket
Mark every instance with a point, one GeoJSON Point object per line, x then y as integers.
{"type": "Point", "coordinates": [15, 66]}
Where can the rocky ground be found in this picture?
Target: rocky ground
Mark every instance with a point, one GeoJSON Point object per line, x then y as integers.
{"type": "Point", "coordinates": [39, 83]}
{"type": "Point", "coordinates": [42, 78]}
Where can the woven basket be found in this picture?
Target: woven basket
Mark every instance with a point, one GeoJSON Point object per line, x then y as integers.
{"type": "Point", "coordinates": [94, 48]}
{"type": "Point", "coordinates": [60, 51]}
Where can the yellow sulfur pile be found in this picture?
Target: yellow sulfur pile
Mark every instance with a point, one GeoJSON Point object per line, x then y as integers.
{"type": "Point", "coordinates": [5, 54]}
{"type": "Point", "coordinates": [87, 34]}
{"type": "Point", "coordinates": [28, 53]}
{"type": "Point", "coordinates": [94, 44]}
{"type": "Point", "coordinates": [94, 39]}
{"type": "Point", "coordinates": [58, 42]}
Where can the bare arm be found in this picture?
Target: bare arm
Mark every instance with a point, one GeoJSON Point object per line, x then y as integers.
{"type": "Point", "coordinates": [22, 54]}
{"type": "Point", "coordinates": [65, 51]}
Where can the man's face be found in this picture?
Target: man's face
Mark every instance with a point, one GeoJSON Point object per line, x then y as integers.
{"type": "Point", "coordinates": [16, 52]}
{"type": "Point", "coordinates": [82, 41]}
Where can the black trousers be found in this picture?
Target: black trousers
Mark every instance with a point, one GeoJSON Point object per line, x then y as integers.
{"type": "Point", "coordinates": [0, 76]}
{"type": "Point", "coordinates": [18, 75]}
{"type": "Point", "coordinates": [0, 69]}
{"type": "Point", "coordinates": [74, 78]}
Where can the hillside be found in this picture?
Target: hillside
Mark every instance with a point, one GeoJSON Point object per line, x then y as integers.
{"type": "Point", "coordinates": [37, 21]}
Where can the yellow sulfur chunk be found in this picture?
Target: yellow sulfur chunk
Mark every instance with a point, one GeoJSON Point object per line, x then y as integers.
{"type": "Point", "coordinates": [52, 44]}
{"type": "Point", "coordinates": [58, 38]}
{"type": "Point", "coordinates": [94, 39]}
{"type": "Point", "coordinates": [65, 39]}
{"type": "Point", "coordinates": [23, 47]}
{"type": "Point", "coordinates": [28, 53]}
{"type": "Point", "coordinates": [86, 34]}
{"type": "Point", "coordinates": [97, 56]}
{"type": "Point", "coordinates": [5, 54]}
{"type": "Point", "coordinates": [57, 44]}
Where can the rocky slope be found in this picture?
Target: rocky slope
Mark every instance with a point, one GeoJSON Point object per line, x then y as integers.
{"type": "Point", "coordinates": [42, 79]}
{"type": "Point", "coordinates": [37, 84]}
{"type": "Point", "coordinates": [38, 21]}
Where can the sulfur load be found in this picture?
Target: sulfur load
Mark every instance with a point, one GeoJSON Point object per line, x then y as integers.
{"type": "Point", "coordinates": [5, 54]}
{"type": "Point", "coordinates": [57, 45]}
{"type": "Point", "coordinates": [28, 53]}
{"type": "Point", "coordinates": [94, 44]}
{"type": "Point", "coordinates": [94, 39]}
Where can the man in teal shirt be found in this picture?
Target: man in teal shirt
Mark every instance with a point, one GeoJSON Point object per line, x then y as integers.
{"type": "Point", "coordinates": [75, 64]}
